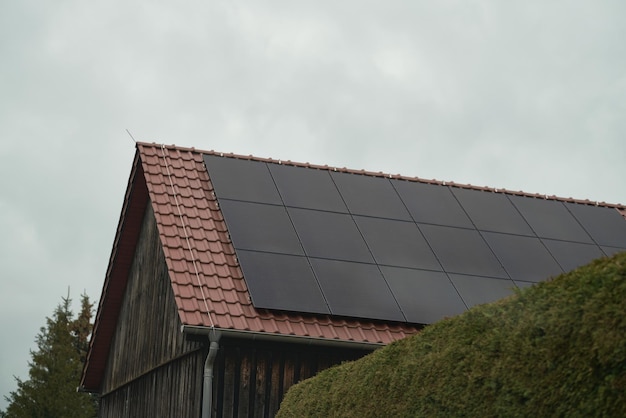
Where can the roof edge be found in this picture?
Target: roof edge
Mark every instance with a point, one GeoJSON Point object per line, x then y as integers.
{"type": "Point", "coordinates": [619, 206]}
{"type": "Point", "coordinates": [134, 204]}
{"type": "Point", "coordinates": [218, 333]}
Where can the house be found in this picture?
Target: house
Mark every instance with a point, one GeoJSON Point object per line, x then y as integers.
{"type": "Point", "coordinates": [231, 278]}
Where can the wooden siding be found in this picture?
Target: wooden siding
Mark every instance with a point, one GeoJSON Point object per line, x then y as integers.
{"type": "Point", "coordinates": [151, 364]}
{"type": "Point", "coordinates": [251, 378]}
{"type": "Point", "coordinates": [153, 370]}
{"type": "Point", "coordinates": [172, 390]}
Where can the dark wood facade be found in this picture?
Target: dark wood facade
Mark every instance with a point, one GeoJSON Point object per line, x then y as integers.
{"type": "Point", "coordinates": [252, 377]}
{"type": "Point", "coordinates": [154, 370]}
{"type": "Point", "coordinates": [151, 370]}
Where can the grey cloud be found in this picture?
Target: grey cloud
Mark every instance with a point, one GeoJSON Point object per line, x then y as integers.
{"type": "Point", "coordinates": [525, 96]}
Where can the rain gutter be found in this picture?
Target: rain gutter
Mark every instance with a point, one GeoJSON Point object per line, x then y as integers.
{"type": "Point", "coordinates": [215, 336]}
{"type": "Point", "coordinates": [264, 336]}
{"type": "Point", "coordinates": [207, 387]}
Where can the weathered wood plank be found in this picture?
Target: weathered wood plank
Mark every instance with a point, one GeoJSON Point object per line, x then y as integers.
{"type": "Point", "coordinates": [276, 383]}
{"type": "Point", "coordinates": [256, 375]}
{"type": "Point", "coordinates": [260, 383]}
{"type": "Point", "coordinates": [146, 339]}
{"type": "Point", "coordinates": [245, 384]}
{"type": "Point", "coordinates": [166, 391]}
{"type": "Point", "coordinates": [154, 371]}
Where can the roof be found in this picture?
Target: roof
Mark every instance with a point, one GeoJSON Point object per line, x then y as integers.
{"type": "Point", "coordinates": [323, 240]}
{"type": "Point", "coordinates": [204, 267]}
{"type": "Point", "coordinates": [221, 279]}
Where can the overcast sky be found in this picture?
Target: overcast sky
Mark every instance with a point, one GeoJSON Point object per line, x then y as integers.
{"type": "Point", "coordinates": [525, 95]}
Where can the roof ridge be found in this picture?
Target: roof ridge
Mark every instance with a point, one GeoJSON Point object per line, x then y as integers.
{"type": "Point", "coordinates": [588, 202]}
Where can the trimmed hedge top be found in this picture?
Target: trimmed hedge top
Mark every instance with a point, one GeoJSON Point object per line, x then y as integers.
{"type": "Point", "coordinates": [555, 349]}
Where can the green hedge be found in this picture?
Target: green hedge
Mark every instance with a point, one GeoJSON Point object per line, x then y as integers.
{"type": "Point", "coordinates": [555, 349]}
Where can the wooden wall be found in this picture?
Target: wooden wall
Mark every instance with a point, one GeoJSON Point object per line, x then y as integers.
{"type": "Point", "coordinates": [154, 371]}
{"type": "Point", "coordinates": [251, 378]}
{"type": "Point", "coordinates": [151, 364]}
{"type": "Point", "coordinates": [172, 390]}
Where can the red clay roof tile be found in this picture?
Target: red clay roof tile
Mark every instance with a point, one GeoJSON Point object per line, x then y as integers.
{"type": "Point", "coordinates": [218, 271]}
{"type": "Point", "coordinates": [187, 215]}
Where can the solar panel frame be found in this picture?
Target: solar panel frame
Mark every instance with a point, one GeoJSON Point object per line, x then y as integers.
{"type": "Point", "coordinates": [283, 282]}
{"type": "Point", "coordinates": [356, 290]}
{"type": "Point", "coordinates": [462, 251]}
{"type": "Point", "coordinates": [571, 255]}
{"type": "Point", "coordinates": [424, 296]}
{"type": "Point", "coordinates": [275, 234]}
{"type": "Point", "coordinates": [611, 251]}
{"type": "Point", "coordinates": [475, 290]}
{"type": "Point", "coordinates": [315, 227]}
{"type": "Point", "coordinates": [491, 211]}
{"type": "Point", "coordinates": [370, 196]}
{"type": "Point", "coordinates": [432, 204]}
{"type": "Point", "coordinates": [307, 188]}
{"type": "Point", "coordinates": [605, 225]}
{"type": "Point", "coordinates": [522, 284]}
{"type": "Point", "coordinates": [397, 243]}
{"type": "Point", "coordinates": [550, 219]}
{"type": "Point", "coordinates": [389, 249]}
{"type": "Point", "coordinates": [524, 258]}
{"type": "Point", "coordinates": [239, 179]}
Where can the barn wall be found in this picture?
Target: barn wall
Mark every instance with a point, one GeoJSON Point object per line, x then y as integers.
{"type": "Point", "coordinates": [153, 370]}
{"type": "Point", "coordinates": [172, 390]}
{"type": "Point", "coordinates": [251, 378]}
{"type": "Point", "coordinates": [151, 366]}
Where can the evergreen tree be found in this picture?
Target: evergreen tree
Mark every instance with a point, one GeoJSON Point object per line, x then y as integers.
{"type": "Point", "coordinates": [55, 369]}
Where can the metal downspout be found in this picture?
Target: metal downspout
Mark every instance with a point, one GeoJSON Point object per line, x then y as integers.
{"type": "Point", "coordinates": [207, 387]}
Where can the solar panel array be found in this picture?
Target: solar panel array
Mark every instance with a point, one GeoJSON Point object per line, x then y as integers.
{"type": "Point", "coordinates": [327, 242]}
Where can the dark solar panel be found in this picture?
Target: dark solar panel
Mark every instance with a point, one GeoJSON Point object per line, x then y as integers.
{"type": "Point", "coordinates": [356, 289]}
{"type": "Point", "coordinates": [550, 219]}
{"type": "Point", "coordinates": [370, 196]}
{"type": "Point", "coordinates": [610, 251]}
{"type": "Point", "coordinates": [329, 235]}
{"type": "Point", "coordinates": [462, 251]}
{"type": "Point", "coordinates": [605, 225]}
{"type": "Point", "coordinates": [524, 258]}
{"type": "Point", "coordinates": [492, 211]}
{"type": "Point", "coordinates": [572, 254]}
{"type": "Point", "coordinates": [397, 243]}
{"type": "Point", "coordinates": [478, 290]}
{"type": "Point", "coordinates": [317, 241]}
{"type": "Point", "coordinates": [282, 282]}
{"type": "Point", "coordinates": [432, 204]}
{"type": "Point", "coordinates": [260, 227]}
{"type": "Point", "coordinates": [307, 188]}
{"type": "Point", "coordinates": [238, 179]}
{"type": "Point", "coordinates": [424, 296]}
{"type": "Point", "coordinates": [522, 284]}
